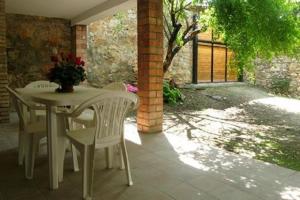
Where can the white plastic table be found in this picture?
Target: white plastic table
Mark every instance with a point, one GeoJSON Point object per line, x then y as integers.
{"type": "Point", "coordinates": [56, 123]}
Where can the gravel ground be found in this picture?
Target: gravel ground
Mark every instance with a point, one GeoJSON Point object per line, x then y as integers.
{"type": "Point", "coordinates": [242, 119]}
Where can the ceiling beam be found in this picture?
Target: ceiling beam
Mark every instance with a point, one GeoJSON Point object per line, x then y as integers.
{"type": "Point", "coordinates": [102, 10]}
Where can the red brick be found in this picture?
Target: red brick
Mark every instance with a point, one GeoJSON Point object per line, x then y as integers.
{"type": "Point", "coordinates": [4, 97]}
{"type": "Point", "coordinates": [148, 129]}
{"type": "Point", "coordinates": [79, 41]}
{"type": "Point", "coordinates": [150, 62]}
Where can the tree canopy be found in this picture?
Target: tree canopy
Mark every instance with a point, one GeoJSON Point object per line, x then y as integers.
{"type": "Point", "coordinates": [251, 28]}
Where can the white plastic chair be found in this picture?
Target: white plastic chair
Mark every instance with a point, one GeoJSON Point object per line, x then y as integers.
{"type": "Point", "coordinates": [110, 111]}
{"type": "Point", "coordinates": [86, 118]}
{"type": "Point", "coordinates": [41, 84]}
{"type": "Point", "coordinates": [120, 86]}
{"type": "Point", "coordinates": [30, 132]}
{"type": "Point", "coordinates": [41, 113]}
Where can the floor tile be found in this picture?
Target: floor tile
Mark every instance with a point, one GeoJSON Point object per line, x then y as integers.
{"type": "Point", "coordinates": [163, 166]}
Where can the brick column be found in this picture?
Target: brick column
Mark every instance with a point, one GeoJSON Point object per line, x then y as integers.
{"type": "Point", "coordinates": [79, 41]}
{"type": "Point", "coordinates": [150, 65]}
{"type": "Point", "coordinates": [4, 98]}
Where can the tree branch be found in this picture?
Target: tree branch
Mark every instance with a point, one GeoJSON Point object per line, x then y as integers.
{"type": "Point", "coordinates": [177, 12]}
{"type": "Point", "coordinates": [166, 33]}
{"type": "Point", "coordinates": [167, 25]}
{"type": "Point", "coordinates": [191, 36]}
{"type": "Point", "coordinates": [188, 29]}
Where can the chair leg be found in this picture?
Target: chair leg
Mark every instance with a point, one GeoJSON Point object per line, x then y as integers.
{"type": "Point", "coordinates": [75, 159]}
{"type": "Point", "coordinates": [88, 172]}
{"type": "Point", "coordinates": [31, 146]}
{"type": "Point", "coordinates": [126, 162]}
{"type": "Point", "coordinates": [38, 148]}
{"type": "Point", "coordinates": [121, 160]}
{"type": "Point", "coordinates": [109, 157]}
{"type": "Point", "coordinates": [21, 150]}
{"type": "Point", "coordinates": [72, 124]}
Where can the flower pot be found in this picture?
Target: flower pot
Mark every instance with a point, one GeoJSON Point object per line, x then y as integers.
{"type": "Point", "coordinates": [65, 88]}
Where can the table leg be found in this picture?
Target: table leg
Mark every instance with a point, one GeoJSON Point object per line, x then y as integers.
{"type": "Point", "coordinates": [61, 145]}
{"type": "Point", "coordinates": [52, 147]}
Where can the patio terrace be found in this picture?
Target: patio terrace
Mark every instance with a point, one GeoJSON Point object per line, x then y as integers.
{"type": "Point", "coordinates": [164, 167]}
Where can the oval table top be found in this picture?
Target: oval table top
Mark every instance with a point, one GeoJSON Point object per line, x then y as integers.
{"type": "Point", "coordinates": [48, 96]}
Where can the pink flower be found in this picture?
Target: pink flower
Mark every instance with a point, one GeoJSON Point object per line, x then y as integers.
{"type": "Point", "coordinates": [131, 88]}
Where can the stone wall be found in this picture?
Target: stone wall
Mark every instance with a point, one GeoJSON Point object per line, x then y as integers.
{"type": "Point", "coordinates": [31, 40]}
{"type": "Point", "coordinates": [281, 68]}
{"type": "Point", "coordinates": [181, 69]}
{"type": "Point", "coordinates": [112, 52]}
{"type": "Point", "coordinates": [4, 99]}
{"type": "Point", "coordinates": [112, 49]}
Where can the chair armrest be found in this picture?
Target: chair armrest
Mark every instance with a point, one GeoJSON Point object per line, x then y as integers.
{"type": "Point", "coordinates": [65, 112]}
{"type": "Point", "coordinates": [37, 107]}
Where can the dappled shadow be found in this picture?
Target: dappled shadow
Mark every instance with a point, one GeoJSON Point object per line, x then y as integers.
{"type": "Point", "coordinates": [262, 179]}
{"type": "Point", "coordinates": [196, 100]}
{"type": "Point", "coordinates": [266, 128]}
{"type": "Point", "coordinates": [165, 166]}
{"type": "Point", "coordinates": [184, 162]}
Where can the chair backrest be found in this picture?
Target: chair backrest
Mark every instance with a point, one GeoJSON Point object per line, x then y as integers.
{"type": "Point", "coordinates": [21, 105]}
{"type": "Point", "coordinates": [41, 84]}
{"type": "Point", "coordinates": [110, 110]}
{"type": "Point", "coordinates": [116, 86]}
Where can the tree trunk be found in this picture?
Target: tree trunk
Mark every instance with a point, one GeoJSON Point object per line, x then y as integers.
{"type": "Point", "coordinates": [169, 58]}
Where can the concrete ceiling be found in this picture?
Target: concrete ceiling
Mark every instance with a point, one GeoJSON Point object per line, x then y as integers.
{"type": "Point", "coordinates": [78, 11]}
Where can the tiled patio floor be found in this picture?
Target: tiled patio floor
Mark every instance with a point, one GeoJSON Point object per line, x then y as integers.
{"type": "Point", "coordinates": [164, 167]}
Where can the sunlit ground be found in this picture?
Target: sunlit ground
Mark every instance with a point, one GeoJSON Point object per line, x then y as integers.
{"type": "Point", "coordinates": [264, 128]}
{"type": "Point", "coordinates": [234, 169]}
{"type": "Point", "coordinates": [279, 103]}
{"type": "Point", "coordinates": [267, 129]}
{"type": "Point", "coordinates": [194, 137]}
{"type": "Point", "coordinates": [132, 134]}
{"type": "Point", "coordinates": [290, 193]}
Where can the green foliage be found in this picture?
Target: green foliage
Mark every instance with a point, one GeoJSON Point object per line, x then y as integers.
{"type": "Point", "coordinates": [280, 85]}
{"type": "Point", "coordinates": [172, 95]}
{"type": "Point", "coordinates": [119, 17]}
{"type": "Point", "coordinates": [250, 76]}
{"type": "Point", "coordinates": [252, 28]}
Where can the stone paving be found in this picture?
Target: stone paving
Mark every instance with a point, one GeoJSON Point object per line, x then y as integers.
{"type": "Point", "coordinates": [164, 167]}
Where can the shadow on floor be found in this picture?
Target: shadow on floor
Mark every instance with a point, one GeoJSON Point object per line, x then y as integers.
{"type": "Point", "coordinates": [164, 167]}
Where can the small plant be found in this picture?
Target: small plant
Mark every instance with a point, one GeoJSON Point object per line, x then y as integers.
{"type": "Point", "coordinates": [250, 77]}
{"type": "Point", "coordinates": [171, 94]}
{"type": "Point", "coordinates": [280, 85]}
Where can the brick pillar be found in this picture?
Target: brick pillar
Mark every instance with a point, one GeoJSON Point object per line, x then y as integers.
{"type": "Point", "coordinates": [150, 65]}
{"type": "Point", "coordinates": [79, 41]}
{"type": "Point", "coordinates": [4, 98]}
